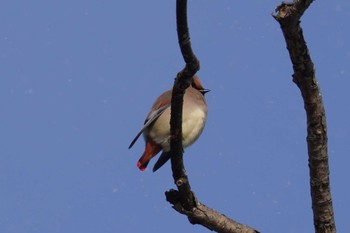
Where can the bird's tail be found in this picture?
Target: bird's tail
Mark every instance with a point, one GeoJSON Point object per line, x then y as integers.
{"type": "Point", "coordinates": [164, 157]}
{"type": "Point", "coordinates": [151, 150]}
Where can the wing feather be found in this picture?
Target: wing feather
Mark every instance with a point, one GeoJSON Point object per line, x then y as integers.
{"type": "Point", "coordinates": [150, 119]}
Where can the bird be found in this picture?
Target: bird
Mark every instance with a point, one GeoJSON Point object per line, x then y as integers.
{"type": "Point", "coordinates": [156, 129]}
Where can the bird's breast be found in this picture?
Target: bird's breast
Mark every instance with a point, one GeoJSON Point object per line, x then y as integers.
{"type": "Point", "coordinates": [192, 125]}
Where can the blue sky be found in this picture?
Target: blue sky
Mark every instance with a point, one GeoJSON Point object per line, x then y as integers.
{"type": "Point", "coordinates": [78, 78]}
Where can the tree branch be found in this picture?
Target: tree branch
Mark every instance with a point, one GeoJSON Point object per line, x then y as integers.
{"type": "Point", "coordinates": [184, 200]}
{"type": "Point", "coordinates": [182, 82]}
{"type": "Point", "coordinates": [288, 15]}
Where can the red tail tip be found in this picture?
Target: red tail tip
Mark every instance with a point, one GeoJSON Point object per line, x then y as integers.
{"type": "Point", "coordinates": [139, 165]}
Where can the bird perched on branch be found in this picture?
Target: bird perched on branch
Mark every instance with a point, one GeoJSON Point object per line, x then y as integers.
{"type": "Point", "coordinates": [156, 129]}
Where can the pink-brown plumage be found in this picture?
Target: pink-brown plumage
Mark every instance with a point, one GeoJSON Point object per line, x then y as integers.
{"type": "Point", "coordinates": [156, 130]}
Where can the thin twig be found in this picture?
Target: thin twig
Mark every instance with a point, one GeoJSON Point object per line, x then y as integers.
{"type": "Point", "coordinates": [182, 82]}
{"type": "Point", "coordinates": [184, 200]}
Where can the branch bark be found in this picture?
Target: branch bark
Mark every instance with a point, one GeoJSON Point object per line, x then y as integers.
{"type": "Point", "coordinates": [184, 200]}
{"type": "Point", "coordinates": [288, 15]}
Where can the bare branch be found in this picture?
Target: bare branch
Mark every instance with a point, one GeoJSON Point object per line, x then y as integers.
{"type": "Point", "coordinates": [288, 15]}
{"type": "Point", "coordinates": [208, 217]}
{"type": "Point", "coordinates": [182, 82]}
{"type": "Point", "coordinates": [184, 200]}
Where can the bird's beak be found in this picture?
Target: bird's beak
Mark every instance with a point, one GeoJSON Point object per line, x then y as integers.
{"type": "Point", "coordinates": [204, 91]}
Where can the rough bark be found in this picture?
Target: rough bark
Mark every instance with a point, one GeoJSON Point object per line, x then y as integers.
{"type": "Point", "coordinates": [288, 15]}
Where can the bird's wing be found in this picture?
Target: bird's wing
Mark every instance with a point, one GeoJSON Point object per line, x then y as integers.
{"type": "Point", "coordinates": [149, 120]}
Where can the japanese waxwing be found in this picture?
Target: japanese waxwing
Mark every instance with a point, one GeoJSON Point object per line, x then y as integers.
{"type": "Point", "coordinates": [156, 129]}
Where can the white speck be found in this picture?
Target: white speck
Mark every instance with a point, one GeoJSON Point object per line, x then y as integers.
{"type": "Point", "coordinates": [288, 184]}
{"type": "Point", "coordinates": [29, 92]}
{"type": "Point", "coordinates": [338, 8]}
